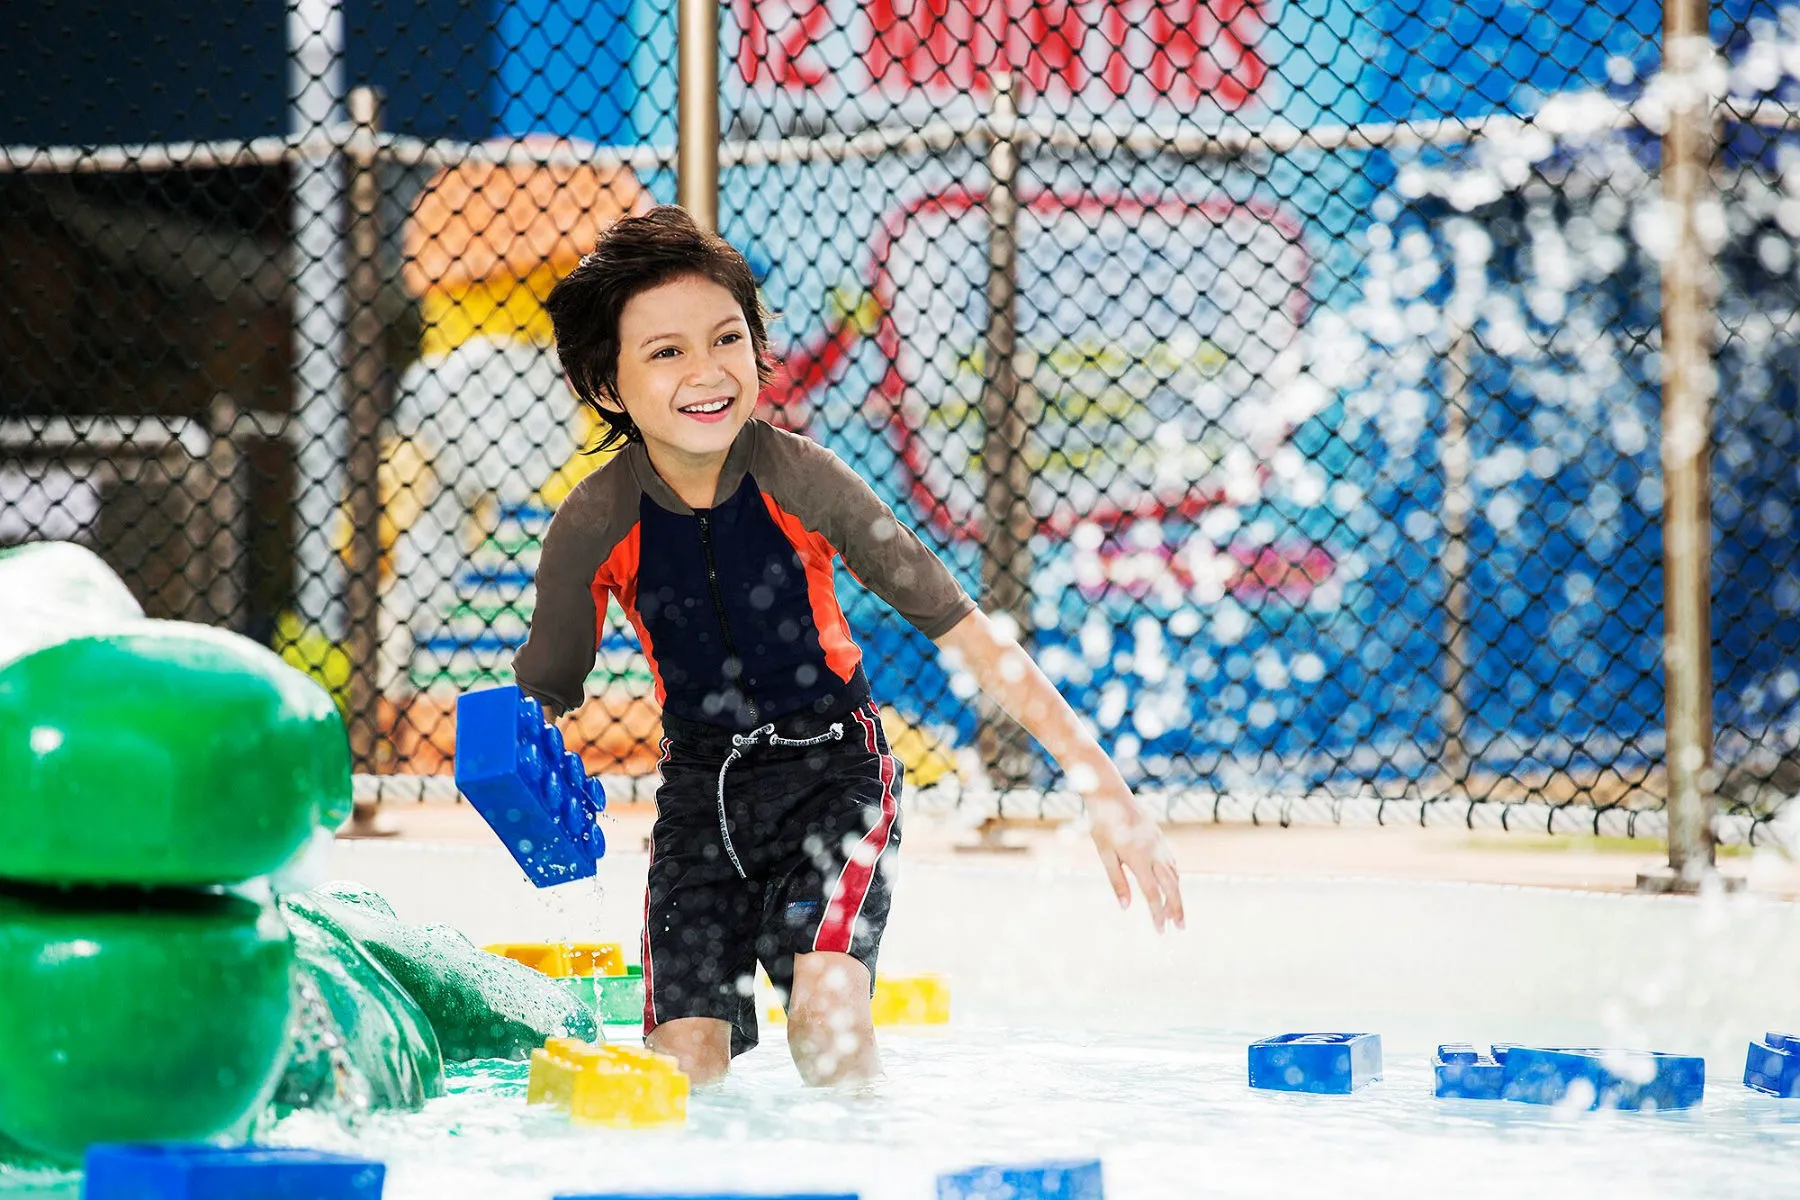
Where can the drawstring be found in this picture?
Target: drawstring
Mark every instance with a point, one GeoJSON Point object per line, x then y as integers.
{"type": "Point", "coordinates": [739, 741]}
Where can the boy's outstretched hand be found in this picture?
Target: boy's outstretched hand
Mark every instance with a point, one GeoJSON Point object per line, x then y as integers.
{"type": "Point", "coordinates": [1129, 841]}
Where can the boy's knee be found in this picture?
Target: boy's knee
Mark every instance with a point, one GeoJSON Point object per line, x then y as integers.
{"type": "Point", "coordinates": [830, 1031]}
{"type": "Point", "coordinates": [823, 1016]}
{"type": "Point", "coordinates": [700, 1047]}
{"type": "Point", "coordinates": [824, 978]}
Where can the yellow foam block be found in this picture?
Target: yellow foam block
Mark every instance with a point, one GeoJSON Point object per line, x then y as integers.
{"type": "Point", "coordinates": [564, 960]}
{"type": "Point", "coordinates": [594, 958]}
{"type": "Point", "coordinates": [900, 1000]}
{"type": "Point", "coordinates": [911, 1000]}
{"type": "Point", "coordinates": [620, 1086]}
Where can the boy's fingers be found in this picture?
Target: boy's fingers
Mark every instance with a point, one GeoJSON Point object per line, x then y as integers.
{"type": "Point", "coordinates": [1152, 889]}
{"type": "Point", "coordinates": [1115, 874]}
{"type": "Point", "coordinates": [1170, 879]}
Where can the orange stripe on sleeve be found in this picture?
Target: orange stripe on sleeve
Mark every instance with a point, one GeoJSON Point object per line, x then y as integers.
{"type": "Point", "coordinates": [618, 575]}
{"type": "Point", "coordinates": [841, 652]}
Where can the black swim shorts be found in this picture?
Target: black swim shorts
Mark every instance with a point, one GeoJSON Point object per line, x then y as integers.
{"type": "Point", "coordinates": [767, 844]}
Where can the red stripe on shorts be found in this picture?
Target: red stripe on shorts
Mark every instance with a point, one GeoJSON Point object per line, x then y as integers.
{"type": "Point", "coordinates": [838, 928]}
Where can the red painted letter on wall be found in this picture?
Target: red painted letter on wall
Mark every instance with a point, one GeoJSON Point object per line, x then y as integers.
{"type": "Point", "coordinates": [777, 35]}
{"type": "Point", "coordinates": [1178, 52]}
{"type": "Point", "coordinates": [1185, 51]}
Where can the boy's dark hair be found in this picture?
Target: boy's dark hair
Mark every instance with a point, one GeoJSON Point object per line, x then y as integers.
{"type": "Point", "coordinates": [635, 255]}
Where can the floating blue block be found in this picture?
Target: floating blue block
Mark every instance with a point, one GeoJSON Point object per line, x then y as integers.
{"type": "Point", "coordinates": [531, 791]}
{"type": "Point", "coordinates": [194, 1172]}
{"type": "Point", "coordinates": [1322, 1063]}
{"type": "Point", "coordinates": [1773, 1066]}
{"type": "Point", "coordinates": [1622, 1079]}
{"type": "Point", "coordinates": [1077, 1179]}
{"type": "Point", "coordinates": [1464, 1073]}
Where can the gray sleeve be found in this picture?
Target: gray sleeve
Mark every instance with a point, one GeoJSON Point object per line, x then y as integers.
{"type": "Point", "coordinates": [821, 490]}
{"type": "Point", "coordinates": [554, 663]}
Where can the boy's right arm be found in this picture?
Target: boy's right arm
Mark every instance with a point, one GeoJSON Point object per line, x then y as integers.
{"type": "Point", "coordinates": [553, 665]}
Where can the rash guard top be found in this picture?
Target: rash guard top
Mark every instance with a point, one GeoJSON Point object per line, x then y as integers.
{"type": "Point", "coordinates": [735, 605]}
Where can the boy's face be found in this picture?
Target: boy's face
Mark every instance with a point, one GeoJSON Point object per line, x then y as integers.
{"type": "Point", "coordinates": [687, 369]}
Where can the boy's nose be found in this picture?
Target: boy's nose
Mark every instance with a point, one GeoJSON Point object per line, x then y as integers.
{"type": "Point", "coordinates": [706, 374]}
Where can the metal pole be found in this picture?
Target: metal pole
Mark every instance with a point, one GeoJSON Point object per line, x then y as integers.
{"type": "Point", "coordinates": [1006, 561]}
{"type": "Point", "coordinates": [315, 36]}
{"type": "Point", "coordinates": [363, 468]}
{"type": "Point", "coordinates": [1688, 288]}
{"type": "Point", "coordinates": [1453, 709]}
{"type": "Point", "coordinates": [226, 503]}
{"type": "Point", "coordinates": [697, 111]}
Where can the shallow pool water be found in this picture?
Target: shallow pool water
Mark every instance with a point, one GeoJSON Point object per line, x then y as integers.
{"type": "Point", "coordinates": [1169, 1115]}
{"type": "Point", "coordinates": [1078, 1032]}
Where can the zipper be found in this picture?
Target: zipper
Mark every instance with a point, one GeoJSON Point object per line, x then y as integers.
{"type": "Point", "coordinates": [718, 598]}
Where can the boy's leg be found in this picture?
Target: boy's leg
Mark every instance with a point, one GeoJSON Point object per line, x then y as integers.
{"type": "Point", "coordinates": [830, 1032]}
{"type": "Point", "coordinates": [700, 926]}
{"type": "Point", "coordinates": [825, 915]}
{"type": "Point", "coordinates": [701, 1045]}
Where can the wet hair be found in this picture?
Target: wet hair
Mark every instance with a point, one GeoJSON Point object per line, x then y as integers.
{"type": "Point", "coordinates": [635, 255]}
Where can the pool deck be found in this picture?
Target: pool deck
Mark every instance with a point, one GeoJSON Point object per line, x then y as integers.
{"type": "Point", "coordinates": [1314, 852]}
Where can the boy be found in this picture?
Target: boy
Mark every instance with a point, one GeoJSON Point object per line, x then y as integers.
{"type": "Point", "coordinates": [778, 812]}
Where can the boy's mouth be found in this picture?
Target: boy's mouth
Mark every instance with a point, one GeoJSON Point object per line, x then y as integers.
{"type": "Point", "coordinates": [707, 409]}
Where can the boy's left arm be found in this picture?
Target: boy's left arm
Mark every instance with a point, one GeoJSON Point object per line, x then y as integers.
{"type": "Point", "coordinates": [1128, 840]}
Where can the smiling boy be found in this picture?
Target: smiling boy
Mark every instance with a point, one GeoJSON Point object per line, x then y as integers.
{"type": "Point", "coordinates": [778, 813]}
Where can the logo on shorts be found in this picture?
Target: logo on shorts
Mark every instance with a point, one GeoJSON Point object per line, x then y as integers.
{"type": "Point", "coordinates": [802, 912]}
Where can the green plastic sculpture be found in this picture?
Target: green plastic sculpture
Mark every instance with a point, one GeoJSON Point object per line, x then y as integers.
{"type": "Point", "coordinates": [145, 752]}
{"type": "Point", "coordinates": [147, 763]}
{"type": "Point", "coordinates": [138, 1014]}
{"type": "Point", "coordinates": [151, 768]}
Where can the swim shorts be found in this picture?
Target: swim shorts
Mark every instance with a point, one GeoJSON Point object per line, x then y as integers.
{"type": "Point", "coordinates": [767, 844]}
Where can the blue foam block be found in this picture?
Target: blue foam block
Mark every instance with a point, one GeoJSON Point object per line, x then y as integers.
{"type": "Point", "coordinates": [531, 791]}
{"type": "Point", "coordinates": [1620, 1079]}
{"type": "Point", "coordinates": [193, 1172]}
{"type": "Point", "coordinates": [1075, 1179]}
{"type": "Point", "coordinates": [1463, 1073]}
{"type": "Point", "coordinates": [1773, 1066]}
{"type": "Point", "coordinates": [1321, 1063]}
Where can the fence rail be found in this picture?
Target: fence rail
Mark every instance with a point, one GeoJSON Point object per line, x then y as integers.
{"type": "Point", "coordinates": [1559, 117]}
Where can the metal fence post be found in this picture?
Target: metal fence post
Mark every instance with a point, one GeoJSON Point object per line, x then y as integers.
{"type": "Point", "coordinates": [697, 111]}
{"type": "Point", "coordinates": [1006, 558]}
{"type": "Point", "coordinates": [316, 38]}
{"type": "Point", "coordinates": [227, 540]}
{"type": "Point", "coordinates": [1453, 708]}
{"type": "Point", "coordinates": [363, 467]}
{"type": "Point", "coordinates": [1688, 290]}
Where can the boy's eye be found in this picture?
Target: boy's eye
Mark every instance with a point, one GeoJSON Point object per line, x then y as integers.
{"type": "Point", "coordinates": [732, 337]}
{"type": "Point", "coordinates": [664, 351]}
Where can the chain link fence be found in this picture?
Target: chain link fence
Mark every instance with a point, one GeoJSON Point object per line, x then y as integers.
{"type": "Point", "coordinates": [1290, 373]}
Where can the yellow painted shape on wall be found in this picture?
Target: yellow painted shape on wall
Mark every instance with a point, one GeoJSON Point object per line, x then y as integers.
{"type": "Point", "coordinates": [927, 759]}
{"type": "Point", "coordinates": [503, 308]}
{"type": "Point", "coordinates": [581, 464]}
{"type": "Point", "coordinates": [564, 960]}
{"type": "Point", "coordinates": [618, 1086]}
{"type": "Point", "coordinates": [900, 1000]}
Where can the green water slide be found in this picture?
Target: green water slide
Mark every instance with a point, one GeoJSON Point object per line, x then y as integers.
{"type": "Point", "coordinates": [154, 775]}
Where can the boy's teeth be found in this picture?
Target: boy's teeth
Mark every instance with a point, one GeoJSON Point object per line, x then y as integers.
{"type": "Point", "coordinates": [712, 407]}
